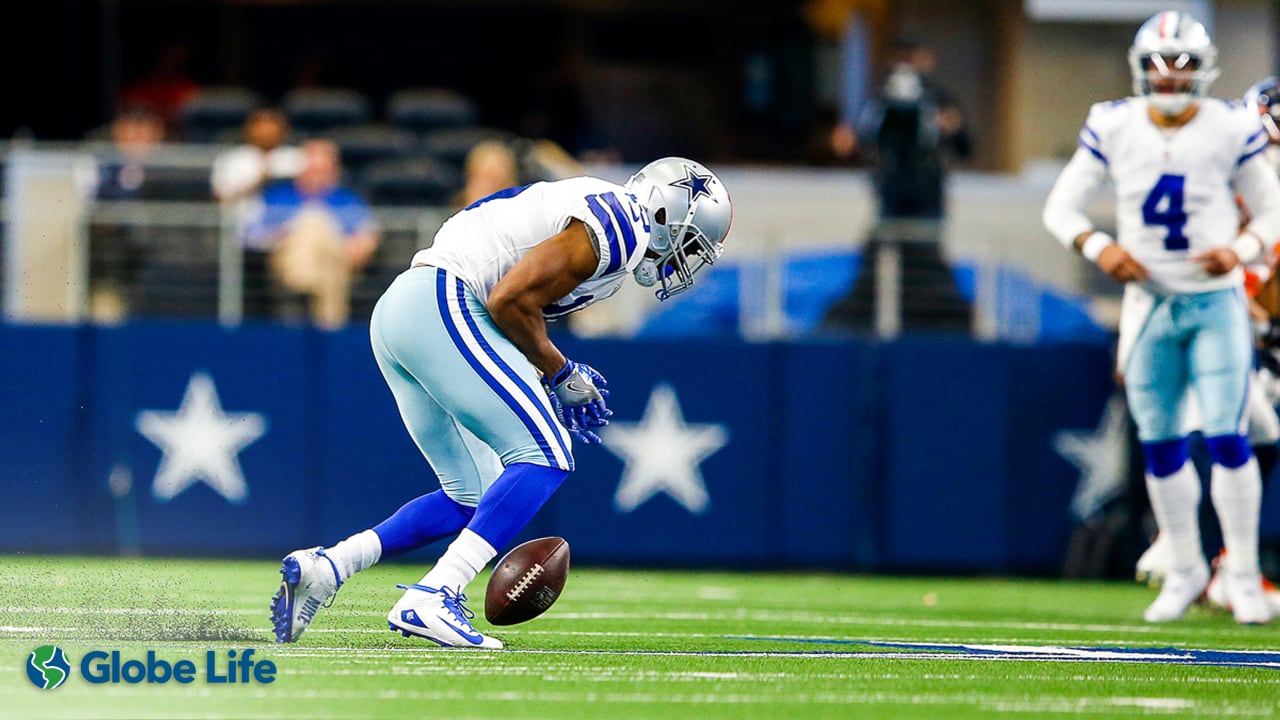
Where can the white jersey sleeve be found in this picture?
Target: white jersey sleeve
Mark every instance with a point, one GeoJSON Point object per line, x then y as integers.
{"type": "Point", "coordinates": [1065, 214]}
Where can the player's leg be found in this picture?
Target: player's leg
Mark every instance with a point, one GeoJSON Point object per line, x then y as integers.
{"type": "Point", "coordinates": [488, 384]}
{"type": "Point", "coordinates": [1155, 380]}
{"type": "Point", "coordinates": [1221, 358]}
{"type": "Point", "coordinates": [1264, 427]}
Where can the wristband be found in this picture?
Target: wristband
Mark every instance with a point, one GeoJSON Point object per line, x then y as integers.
{"type": "Point", "coordinates": [1094, 245]}
{"type": "Point", "coordinates": [1248, 247]}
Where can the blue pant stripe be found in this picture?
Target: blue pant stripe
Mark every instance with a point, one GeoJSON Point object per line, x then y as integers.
{"type": "Point", "coordinates": [494, 384]}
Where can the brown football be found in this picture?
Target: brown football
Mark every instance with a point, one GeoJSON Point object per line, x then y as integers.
{"type": "Point", "coordinates": [527, 581]}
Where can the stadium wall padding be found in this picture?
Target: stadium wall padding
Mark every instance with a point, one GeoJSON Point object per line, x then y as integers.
{"type": "Point", "coordinates": [914, 455]}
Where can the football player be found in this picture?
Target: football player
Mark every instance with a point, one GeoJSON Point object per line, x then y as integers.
{"type": "Point", "coordinates": [492, 403]}
{"type": "Point", "coordinates": [1176, 159]}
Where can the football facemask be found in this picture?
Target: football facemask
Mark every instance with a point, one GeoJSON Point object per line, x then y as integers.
{"type": "Point", "coordinates": [1172, 62]}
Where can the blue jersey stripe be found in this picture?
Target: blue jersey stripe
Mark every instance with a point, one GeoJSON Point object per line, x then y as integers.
{"type": "Point", "coordinates": [455, 334]}
{"type": "Point", "coordinates": [1097, 141]}
{"type": "Point", "coordinates": [624, 222]}
{"type": "Point", "coordinates": [1261, 139]}
{"type": "Point", "coordinates": [499, 195]}
{"type": "Point", "coordinates": [611, 235]}
{"type": "Point", "coordinates": [1096, 153]}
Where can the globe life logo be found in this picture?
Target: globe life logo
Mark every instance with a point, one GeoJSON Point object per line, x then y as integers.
{"type": "Point", "coordinates": [100, 667]}
{"type": "Point", "coordinates": [47, 667]}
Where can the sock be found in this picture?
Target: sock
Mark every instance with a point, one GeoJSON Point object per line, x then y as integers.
{"type": "Point", "coordinates": [1175, 501]}
{"type": "Point", "coordinates": [356, 553]}
{"type": "Point", "coordinates": [465, 558]}
{"type": "Point", "coordinates": [422, 521]}
{"type": "Point", "coordinates": [1237, 497]}
{"type": "Point", "coordinates": [513, 499]}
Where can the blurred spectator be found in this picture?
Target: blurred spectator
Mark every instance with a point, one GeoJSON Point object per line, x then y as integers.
{"type": "Point", "coordinates": [313, 237]}
{"type": "Point", "coordinates": [114, 255]}
{"type": "Point", "coordinates": [135, 134]}
{"type": "Point", "coordinates": [910, 129]}
{"type": "Point", "coordinates": [490, 166]}
{"type": "Point", "coordinates": [165, 86]}
{"type": "Point", "coordinates": [242, 171]}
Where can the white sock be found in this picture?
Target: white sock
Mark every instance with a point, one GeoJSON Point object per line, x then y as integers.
{"type": "Point", "coordinates": [1175, 501]}
{"type": "Point", "coordinates": [356, 553]}
{"type": "Point", "coordinates": [1237, 496]}
{"type": "Point", "coordinates": [466, 557]}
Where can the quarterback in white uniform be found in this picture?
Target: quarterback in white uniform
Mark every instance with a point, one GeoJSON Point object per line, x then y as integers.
{"type": "Point", "coordinates": [488, 398]}
{"type": "Point", "coordinates": [1177, 160]}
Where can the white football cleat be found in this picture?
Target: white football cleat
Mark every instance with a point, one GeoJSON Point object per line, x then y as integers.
{"type": "Point", "coordinates": [1181, 588]}
{"type": "Point", "coordinates": [1154, 564]}
{"type": "Point", "coordinates": [1216, 594]}
{"type": "Point", "coordinates": [439, 615]}
{"type": "Point", "coordinates": [1246, 598]}
{"type": "Point", "coordinates": [308, 581]}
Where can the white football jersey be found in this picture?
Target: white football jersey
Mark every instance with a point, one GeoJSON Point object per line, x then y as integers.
{"type": "Point", "coordinates": [481, 243]}
{"type": "Point", "coordinates": [1175, 189]}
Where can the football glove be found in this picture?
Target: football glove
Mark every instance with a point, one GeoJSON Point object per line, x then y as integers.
{"type": "Point", "coordinates": [578, 394]}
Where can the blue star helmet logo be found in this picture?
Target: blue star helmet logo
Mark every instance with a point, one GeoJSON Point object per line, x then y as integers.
{"type": "Point", "coordinates": [696, 184]}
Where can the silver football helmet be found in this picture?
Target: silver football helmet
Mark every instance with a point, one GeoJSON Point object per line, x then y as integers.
{"type": "Point", "coordinates": [1173, 62]}
{"type": "Point", "coordinates": [689, 213]}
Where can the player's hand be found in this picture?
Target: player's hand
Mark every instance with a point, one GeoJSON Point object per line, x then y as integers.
{"type": "Point", "coordinates": [578, 393]}
{"type": "Point", "coordinates": [1218, 261]}
{"type": "Point", "coordinates": [1120, 265]}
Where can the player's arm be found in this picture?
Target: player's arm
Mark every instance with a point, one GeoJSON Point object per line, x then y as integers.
{"type": "Point", "coordinates": [1065, 217]}
{"type": "Point", "coordinates": [551, 270]}
{"type": "Point", "coordinates": [1259, 188]}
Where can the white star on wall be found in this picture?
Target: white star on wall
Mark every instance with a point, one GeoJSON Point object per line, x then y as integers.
{"type": "Point", "coordinates": [200, 442]}
{"type": "Point", "coordinates": [1101, 455]}
{"type": "Point", "coordinates": [662, 453]}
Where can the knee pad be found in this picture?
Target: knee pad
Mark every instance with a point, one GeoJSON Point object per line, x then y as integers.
{"type": "Point", "coordinates": [1230, 451]}
{"type": "Point", "coordinates": [1166, 456]}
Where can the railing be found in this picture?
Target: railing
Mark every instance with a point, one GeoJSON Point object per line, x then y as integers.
{"type": "Point", "coordinates": [181, 257]}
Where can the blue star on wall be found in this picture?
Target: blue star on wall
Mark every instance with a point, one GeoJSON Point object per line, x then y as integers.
{"type": "Point", "coordinates": [696, 184]}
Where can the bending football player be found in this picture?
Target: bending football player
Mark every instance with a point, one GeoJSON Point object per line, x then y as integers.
{"type": "Point", "coordinates": [492, 403]}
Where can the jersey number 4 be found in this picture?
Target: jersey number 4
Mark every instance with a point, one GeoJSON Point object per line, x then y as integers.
{"type": "Point", "coordinates": [1163, 208]}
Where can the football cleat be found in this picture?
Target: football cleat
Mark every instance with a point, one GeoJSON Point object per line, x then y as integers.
{"type": "Point", "coordinates": [440, 616]}
{"type": "Point", "coordinates": [1216, 595]}
{"type": "Point", "coordinates": [1155, 562]}
{"type": "Point", "coordinates": [308, 582]}
{"type": "Point", "coordinates": [1246, 599]}
{"type": "Point", "coordinates": [1179, 591]}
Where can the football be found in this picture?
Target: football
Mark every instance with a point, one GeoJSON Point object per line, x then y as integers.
{"type": "Point", "coordinates": [527, 581]}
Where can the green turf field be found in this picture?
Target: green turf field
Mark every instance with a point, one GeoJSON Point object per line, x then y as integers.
{"type": "Point", "coordinates": [623, 645]}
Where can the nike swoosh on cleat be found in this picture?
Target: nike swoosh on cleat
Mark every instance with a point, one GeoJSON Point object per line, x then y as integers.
{"type": "Point", "coordinates": [472, 637]}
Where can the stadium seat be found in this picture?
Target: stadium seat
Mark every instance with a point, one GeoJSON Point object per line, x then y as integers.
{"type": "Point", "coordinates": [181, 183]}
{"type": "Point", "coordinates": [212, 112]}
{"type": "Point", "coordinates": [452, 144]}
{"type": "Point", "coordinates": [360, 145]}
{"type": "Point", "coordinates": [421, 110]}
{"type": "Point", "coordinates": [411, 181]}
{"type": "Point", "coordinates": [318, 110]}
